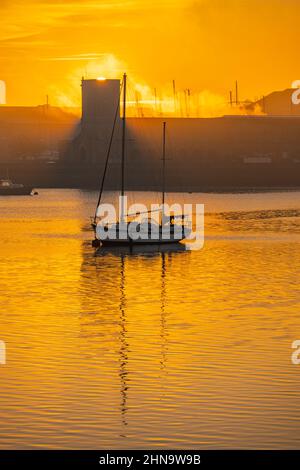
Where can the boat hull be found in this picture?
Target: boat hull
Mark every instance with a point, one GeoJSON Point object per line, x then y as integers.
{"type": "Point", "coordinates": [122, 238]}
{"type": "Point", "coordinates": [24, 191]}
{"type": "Point", "coordinates": [128, 242]}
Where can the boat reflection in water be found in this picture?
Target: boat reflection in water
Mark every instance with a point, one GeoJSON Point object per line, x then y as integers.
{"type": "Point", "coordinates": [123, 254]}
{"type": "Point", "coordinates": [141, 249]}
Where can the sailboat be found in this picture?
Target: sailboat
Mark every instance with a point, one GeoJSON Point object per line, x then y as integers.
{"type": "Point", "coordinates": [9, 188]}
{"type": "Point", "coordinates": [166, 230]}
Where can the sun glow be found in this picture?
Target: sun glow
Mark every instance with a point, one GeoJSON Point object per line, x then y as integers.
{"type": "Point", "coordinates": [159, 41]}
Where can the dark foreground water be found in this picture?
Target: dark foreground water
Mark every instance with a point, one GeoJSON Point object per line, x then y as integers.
{"type": "Point", "coordinates": [150, 350]}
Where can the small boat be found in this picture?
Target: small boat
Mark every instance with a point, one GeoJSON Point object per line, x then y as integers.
{"type": "Point", "coordinates": [8, 188]}
{"type": "Point", "coordinates": [167, 230]}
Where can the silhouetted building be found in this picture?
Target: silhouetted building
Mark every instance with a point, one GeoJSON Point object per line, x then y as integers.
{"type": "Point", "coordinates": [33, 133]}
{"type": "Point", "coordinates": [50, 147]}
{"type": "Point", "coordinates": [202, 152]}
{"type": "Point", "coordinates": [278, 103]}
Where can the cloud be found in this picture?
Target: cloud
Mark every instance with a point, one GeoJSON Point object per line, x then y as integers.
{"type": "Point", "coordinates": [203, 44]}
{"type": "Point", "coordinates": [77, 57]}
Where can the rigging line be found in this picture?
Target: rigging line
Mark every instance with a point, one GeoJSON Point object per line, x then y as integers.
{"type": "Point", "coordinates": [144, 212]}
{"type": "Point", "coordinates": [108, 154]}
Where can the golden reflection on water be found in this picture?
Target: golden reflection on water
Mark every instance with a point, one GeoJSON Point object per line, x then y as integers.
{"type": "Point", "coordinates": [175, 349]}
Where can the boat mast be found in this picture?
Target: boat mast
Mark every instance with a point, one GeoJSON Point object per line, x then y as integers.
{"type": "Point", "coordinates": [164, 165]}
{"type": "Point", "coordinates": [123, 145]}
{"type": "Point", "coordinates": [117, 113]}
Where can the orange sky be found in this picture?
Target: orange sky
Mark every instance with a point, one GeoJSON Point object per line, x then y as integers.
{"type": "Point", "coordinates": [47, 45]}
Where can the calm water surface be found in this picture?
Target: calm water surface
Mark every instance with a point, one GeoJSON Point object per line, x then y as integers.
{"type": "Point", "coordinates": [175, 350]}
